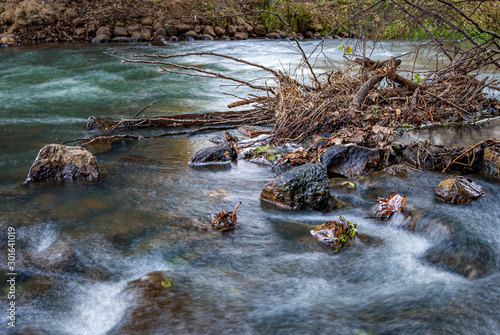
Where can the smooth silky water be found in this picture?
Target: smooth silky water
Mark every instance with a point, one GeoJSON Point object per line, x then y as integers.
{"type": "Point", "coordinates": [268, 276]}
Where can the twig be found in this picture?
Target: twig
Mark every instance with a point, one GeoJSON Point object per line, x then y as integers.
{"type": "Point", "coordinates": [142, 110]}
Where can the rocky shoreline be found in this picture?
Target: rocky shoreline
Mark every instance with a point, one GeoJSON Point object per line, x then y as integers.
{"type": "Point", "coordinates": [39, 23]}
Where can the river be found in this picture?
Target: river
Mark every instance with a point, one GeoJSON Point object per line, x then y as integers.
{"type": "Point", "coordinates": [267, 276]}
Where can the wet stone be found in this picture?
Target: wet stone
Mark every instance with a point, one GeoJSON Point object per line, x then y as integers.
{"type": "Point", "coordinates": [350, 160]}
{"type": "Point", "coordinates": [458, 190]}
{"type": "Point", "coordinates": [57, 162]}
{"type": "Point", "coordinates": [222, 153]}
{"type": "Point", "coordinates": [305, 186]}
{"type": "Point", "coordinates": [470, 259]}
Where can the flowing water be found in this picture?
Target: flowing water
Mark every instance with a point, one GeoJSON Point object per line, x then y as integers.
{"type": "Point", "coordinates": [268, 276]}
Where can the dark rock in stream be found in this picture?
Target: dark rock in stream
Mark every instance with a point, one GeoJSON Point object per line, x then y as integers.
{"type": "Point", "coordinates": [56, 162]}
{"type": "Point", "coordinates": [472, 260]}
{"type": "Point", "coordinates": [349, 160]}
{"type": "Point", "coordinates": [159, 304]}
{"type": "Point", "coordinates": [458, 190]}
{"type": "Point", "coordinates": [222, 153]}
{"type": "Point", "coordinates": [305, 186]}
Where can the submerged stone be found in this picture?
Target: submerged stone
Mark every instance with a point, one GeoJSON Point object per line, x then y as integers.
{"type": "Point", "coordinates": [350, 160]}
{"type": "Point", "coordinates": [56, 162]}
{"type": "Point", "coordinates": [222, 153]}
{"type": "Point", "coordinates": [305, 186]}
{"type": "Point", "coordinates": [472, 261]}
{"type": "Point", "coordinates": [458, 190]}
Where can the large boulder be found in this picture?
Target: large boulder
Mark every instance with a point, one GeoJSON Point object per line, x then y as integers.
{"type": "Point", "coordinates": [222, 153]}
{"type": "Point", "coordinates": [305, 186]}
{"type": "Point", "coordinates": [57, 162]}
{"type": "Point", "coordinates": [458, 190]}
{"type": "Point", "coordinates": [349, 160]}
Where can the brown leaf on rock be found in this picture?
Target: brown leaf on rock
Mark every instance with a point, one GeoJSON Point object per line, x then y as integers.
{"type": "Point", "coordinates": [391, 204]}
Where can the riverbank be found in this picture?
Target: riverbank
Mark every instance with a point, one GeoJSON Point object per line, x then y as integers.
{"type": "Point", "coordinates": [33, 21]}
{"type": "Point", "coordinates": [27, 22]}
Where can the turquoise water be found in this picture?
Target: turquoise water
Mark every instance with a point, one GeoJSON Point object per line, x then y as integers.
{"type": "Point", "coordinates": [268, 276]}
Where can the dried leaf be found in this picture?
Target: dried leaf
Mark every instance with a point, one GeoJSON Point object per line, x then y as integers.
{"type": "Point", "coordinates": [391, 204]}
{"type": "Point", "coordinates": [225, 220]}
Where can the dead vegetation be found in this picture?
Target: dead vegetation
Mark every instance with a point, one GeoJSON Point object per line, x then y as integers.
{"type": "Point", "coordinates": [363, 103]}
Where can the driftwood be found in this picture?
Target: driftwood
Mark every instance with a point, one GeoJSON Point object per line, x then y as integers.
{"type": "Point", "coordinates": [235, 118]}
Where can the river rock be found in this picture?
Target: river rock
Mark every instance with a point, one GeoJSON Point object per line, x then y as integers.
{"type": "Point", "coordinates": [222, 153]}
{"type": "Point", "coordinates": [103, 31]}
{"type": "Point", "coordinates": [240, 36]}
{"type": "Point", "coordinates": [7, 40]}
{"type": "Point", "coordinates": [349, 160]}
{"type": "Point", "coordinates": [158, 304]}
{"type": "Point", "coordinates": [136, 37]}
{"type": "Point", "coordinates": [22, 22]}
{"type": "Point", "coordinates": [192, 34]}
{"type": "Point", "coordinates": [161, 32]}
{"type": "Point", "coordinates": [219, 31]}
{"type": "Point", "coordinates": [308, 34]}
{"type": "Point", "coordinates": [273, 36]}
{"type": "Point", "coordinates": [182, 28]}
{"type": "Point", "coordinates": [491, 161]}
{"type": "Point", "coordinates": [72, 14]}
{"type": "Point", "coordinates": [58, 162]}
{"type": "Point", "coordinates": [146, 34]}
{"type": "Point", "coordinates": [305, 186]}
{"type": "Point", "coordinates": [248, 28]}
{"type": "Point", "coordinates": [260, 30]}
{"type": "Point", "coordinates": [147, 21]}
{"type": "Point", "coordinates": [132, 28]}
{"type": "Point", "coordinates": [78, 22]}
{"type": "Point", "coordinates": [171, 30]}
{"type": "Point", "coordinates": [210, 31]}
{"type": "Point", "coordinates": [231, 30]}
{"type": "Point", "coordinates": [80, 31]}
{"type": "Point", "coordinates": [101, 38]}
{"type": "Point", "coordinates": [120, 31]}
{"type": "Point", "coordinates": [471, 259]}
{"type": "Point", "coordinates": [458, 190]}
